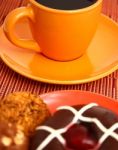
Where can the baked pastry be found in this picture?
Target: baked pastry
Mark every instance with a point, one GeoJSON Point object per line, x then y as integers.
{"type": "Point", "coordinates": [85, 127]}
{"type": "Point", "coordinates": [25, 110]}
{"type": "Point", "coordinates": [12, 138]}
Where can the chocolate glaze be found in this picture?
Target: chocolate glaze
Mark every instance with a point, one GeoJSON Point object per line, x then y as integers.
{"type": "Point", "coordinates": [63, 117]}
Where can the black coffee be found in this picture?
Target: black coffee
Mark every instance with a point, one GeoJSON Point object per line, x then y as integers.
{"type": "Point", "coordinates": [67, 4]}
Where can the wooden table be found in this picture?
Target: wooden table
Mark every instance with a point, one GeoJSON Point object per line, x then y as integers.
{"type": "Point", "coordinates": [11, 81]}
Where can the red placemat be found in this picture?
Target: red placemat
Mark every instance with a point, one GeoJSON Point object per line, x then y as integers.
{"type": "Point", "coordinates": [11, 81]}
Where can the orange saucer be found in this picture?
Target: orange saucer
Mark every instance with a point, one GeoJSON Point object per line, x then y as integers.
{"type": "Point", "coordinates": [100, 59]}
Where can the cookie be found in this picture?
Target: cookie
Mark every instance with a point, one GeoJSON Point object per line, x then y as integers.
{"type": "Point", "coordinates": [25, 110]}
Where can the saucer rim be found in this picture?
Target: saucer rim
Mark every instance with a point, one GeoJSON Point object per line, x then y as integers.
{"type": "Point", "coordinates": [66, 82]}
{"type": "Point", "coordinates": [53, 95]}
{"type": "Point", "coordinates": [43, 95]}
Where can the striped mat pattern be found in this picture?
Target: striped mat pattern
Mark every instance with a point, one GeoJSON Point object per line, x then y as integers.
{"type": "Point", "coordinates": [11, 81]}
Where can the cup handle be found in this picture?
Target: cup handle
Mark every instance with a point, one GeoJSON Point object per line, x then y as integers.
{"type": "Point", "coordinates": [9, 24]}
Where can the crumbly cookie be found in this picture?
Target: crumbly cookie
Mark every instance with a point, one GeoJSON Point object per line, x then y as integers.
{"type": "Point", "coordinates": [25, 109]}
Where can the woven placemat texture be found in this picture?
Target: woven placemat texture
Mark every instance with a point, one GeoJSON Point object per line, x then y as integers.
{"type": "Point", "coordinates": [11, 81]}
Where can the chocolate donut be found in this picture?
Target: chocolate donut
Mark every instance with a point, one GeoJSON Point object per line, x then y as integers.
{"type": "Point", "coordinates": [82, 127]}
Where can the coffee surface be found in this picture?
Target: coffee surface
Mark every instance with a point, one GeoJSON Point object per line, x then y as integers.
{"type": "Point", "coordinates": [67, 4]}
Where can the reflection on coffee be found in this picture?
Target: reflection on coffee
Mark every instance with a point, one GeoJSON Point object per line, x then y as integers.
{"type": "Point", "coordinates": [67, 4]}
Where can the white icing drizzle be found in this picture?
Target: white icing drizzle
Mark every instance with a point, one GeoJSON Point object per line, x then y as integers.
{"type": "Point", "coordinates": [54, 133]}
{"type": "Point", "coordinates": [109, 132]}
{"type": "Point", "coordinates": [77, 116]}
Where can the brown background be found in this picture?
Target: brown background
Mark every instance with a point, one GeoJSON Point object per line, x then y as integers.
{"type": "Point", "coordinates": [11, 81]}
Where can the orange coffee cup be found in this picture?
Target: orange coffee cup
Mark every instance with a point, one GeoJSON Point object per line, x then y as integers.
{"type": "Point", "coordinates": [58, 34]}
